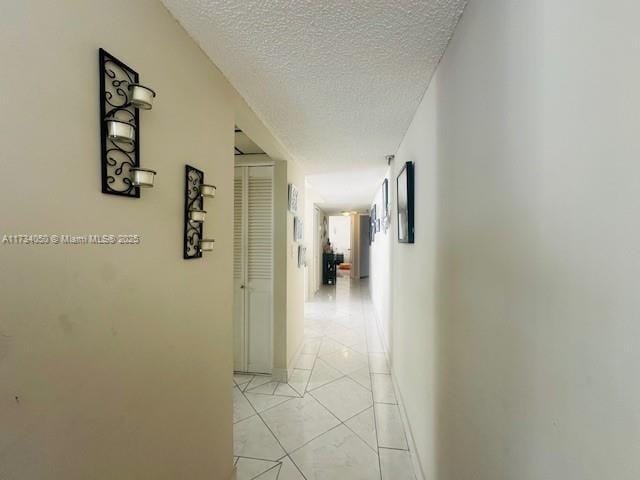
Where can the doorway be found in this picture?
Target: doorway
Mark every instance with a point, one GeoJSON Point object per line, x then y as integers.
{"type": "Point", "coordinates": [340, 238]}
{"type": "Point", "coordinates": [253, 266]}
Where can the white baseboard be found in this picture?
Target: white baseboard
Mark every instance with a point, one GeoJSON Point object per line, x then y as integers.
{"type": "Point", "coordinates": [284, 374]}
{"type": "Point", "coordinates": [417, 465]}
{"type": "Point", "coordinates": [280, 375]}
{"type": "Point", "coordinates": [415, 459]}
{"type": "Point", "coordinates": [295, 358]}
{"type": "Point", "coordinates": [233, 473]}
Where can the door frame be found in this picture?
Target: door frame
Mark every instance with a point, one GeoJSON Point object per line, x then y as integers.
{"type": "Point", "coordinates": [244, 348]}
{"type": "Point", "coordinates": [317, 240]}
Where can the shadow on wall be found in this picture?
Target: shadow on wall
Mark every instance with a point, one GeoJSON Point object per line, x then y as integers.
{"type": "Point", "coordinates": [524, 378]}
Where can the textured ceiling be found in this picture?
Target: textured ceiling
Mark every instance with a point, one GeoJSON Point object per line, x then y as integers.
{"type": "Point", "coordinates": [336, 81]}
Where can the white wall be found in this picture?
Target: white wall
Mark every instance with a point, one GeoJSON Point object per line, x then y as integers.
{"type": "Point", "coordinates": [515, 332]}
{"type": "Point", "coordinates": [295, 274]}
{"type": "Point", "coordinates": [340, 235]}
{"type": "Point", "coordinates": [380, 272]}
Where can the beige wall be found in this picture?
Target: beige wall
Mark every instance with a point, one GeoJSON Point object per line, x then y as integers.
{"type": "Point", "coordinates": [515, 313]}
{"type": "Point", "coordinates": [311, 230]}
{"type": "Point", "coordinates": [280, 270]}
{"type": "Point", "coordinates": [115, 362]}
{"type": "Point", "coordinates": [295, 274]}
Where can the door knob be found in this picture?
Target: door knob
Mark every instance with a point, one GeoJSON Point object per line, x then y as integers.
{"type": "Point", "coordinates": [241, 286]}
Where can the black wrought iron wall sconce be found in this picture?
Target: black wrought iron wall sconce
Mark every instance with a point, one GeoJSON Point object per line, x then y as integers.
{"type": "Point", "coordinates": [195, 191]}
{"type": "Point", "coordinates": [121, 98]}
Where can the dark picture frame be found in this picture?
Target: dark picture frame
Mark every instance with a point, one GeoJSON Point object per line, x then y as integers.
{"type": "Point", "coordinates": [405, 191]}
{"type": "Point", "coordinates": [372, 224]}
{"type": "Point", "coordinates": [385, 198]}
{"type": "Point", "coordinates": [385, 205]}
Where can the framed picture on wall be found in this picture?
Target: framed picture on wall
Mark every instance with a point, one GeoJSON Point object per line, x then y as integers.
{"type": "Point", "coordinates": [385, 197]}
{"type": "Point", "coordinates": [302, 254]}
{"type": "Point", "coordinates": [385, 201]}
{"type": "Point", "coordinates": [298, 229]}
{"type": "Point", "coordinates": [372, 223]}
{"type": "Point", "coordinates": [293, 198]}
{"type": "Point", "coordinates": [405, 204]}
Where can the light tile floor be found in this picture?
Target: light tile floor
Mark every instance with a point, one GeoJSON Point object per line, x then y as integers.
{"type": "Point", "coordinates": [338, 417]}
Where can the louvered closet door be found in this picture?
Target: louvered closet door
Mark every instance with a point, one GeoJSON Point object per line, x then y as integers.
{"type": "Point", "coordinates": [253, 269]}
{"type": "Point", "coordinates": [259, 289]}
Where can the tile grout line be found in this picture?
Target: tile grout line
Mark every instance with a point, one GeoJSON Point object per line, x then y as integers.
{"type": "Point", "coordinates": [363, 328]}
{"type": "Point", "coordinates": [278, 466]}
{"type": "Point", "coordinates": [331, 413]}
{"type": "Point", "coordinates": [375, 417]}
{"type": "Point", "coordinates": [385, 354]}
{"type": "Point", "coordinates": [276, 438]}
{"type": "Point", "coordinates": [345, 422]}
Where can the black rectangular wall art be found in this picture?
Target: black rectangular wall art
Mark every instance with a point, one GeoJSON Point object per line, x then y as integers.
{"type": "Point", "coordinates": [406, 198]}
{"type": "Point", "coordinates": [385, 198]}
{"type": "Point", "coordinates": [193, 201]}
{"type": "Point", "coordinates": [117, 157]}
{"type": "Point", "coordinates": [385, 205]}
{"type": "Point", "coordinates": [372, 223]}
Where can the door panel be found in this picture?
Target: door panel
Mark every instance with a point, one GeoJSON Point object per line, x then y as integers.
{"type": "Point", "coordinates": [260, 268]}
{"type": "Point", "coordinates": [259, 307]}
{"type": "Point", "coordinates": [253, 269]}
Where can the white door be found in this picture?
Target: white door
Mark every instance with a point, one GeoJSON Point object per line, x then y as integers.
{"type": "Point", "coordinates": [253, 269]}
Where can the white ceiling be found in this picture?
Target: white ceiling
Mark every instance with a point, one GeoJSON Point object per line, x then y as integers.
{"type": "Point", "coordinates": [336, 81]}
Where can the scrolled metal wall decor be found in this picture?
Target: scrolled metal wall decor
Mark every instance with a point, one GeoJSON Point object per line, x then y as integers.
{"type": "Point", "coordinates": [120, 128]}
{"type": "Point", "coordinates": [195, 190]}
{"type": "Point", "coordinates": [193, 201]}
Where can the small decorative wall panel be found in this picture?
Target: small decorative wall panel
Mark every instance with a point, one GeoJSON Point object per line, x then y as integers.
{"type": "Point", "coordinates": [193, 202]}
{"type": "Point", "coordinates": [118, 158]}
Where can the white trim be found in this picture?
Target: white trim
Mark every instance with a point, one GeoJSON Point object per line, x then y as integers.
{"type": "Point", "coordinates": [280, 375]}
{"type": "Point", "coordinates": [286, 373]}
{"type": "Point", "coordinates": [233, 473]}
{"type": "Point", "coordinates": [245, 169]}
{"type": "Point", "coordinates": [415, 459]}
{"type": "Point", "coordinates": [268, 162]}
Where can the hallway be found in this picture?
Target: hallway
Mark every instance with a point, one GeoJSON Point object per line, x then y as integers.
{"type": "Point", "coordinates": [180, 177]}
{"type": "Point", "coordinates": [338, 416]}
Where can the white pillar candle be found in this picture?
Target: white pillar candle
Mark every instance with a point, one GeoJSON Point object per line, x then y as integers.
{"type": "Point", "coordinates": [206, 244]}
{"type": "Point", "coordinates": [208, 190]}
{"type": "Point", "coordinates": [141, 96]}
{"type": "Point", "coordinates": [142, 177]}
{"type": "Point", "coordinates": [196, 215]}
{"type": "Point", "coordinates": [120, 131]}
